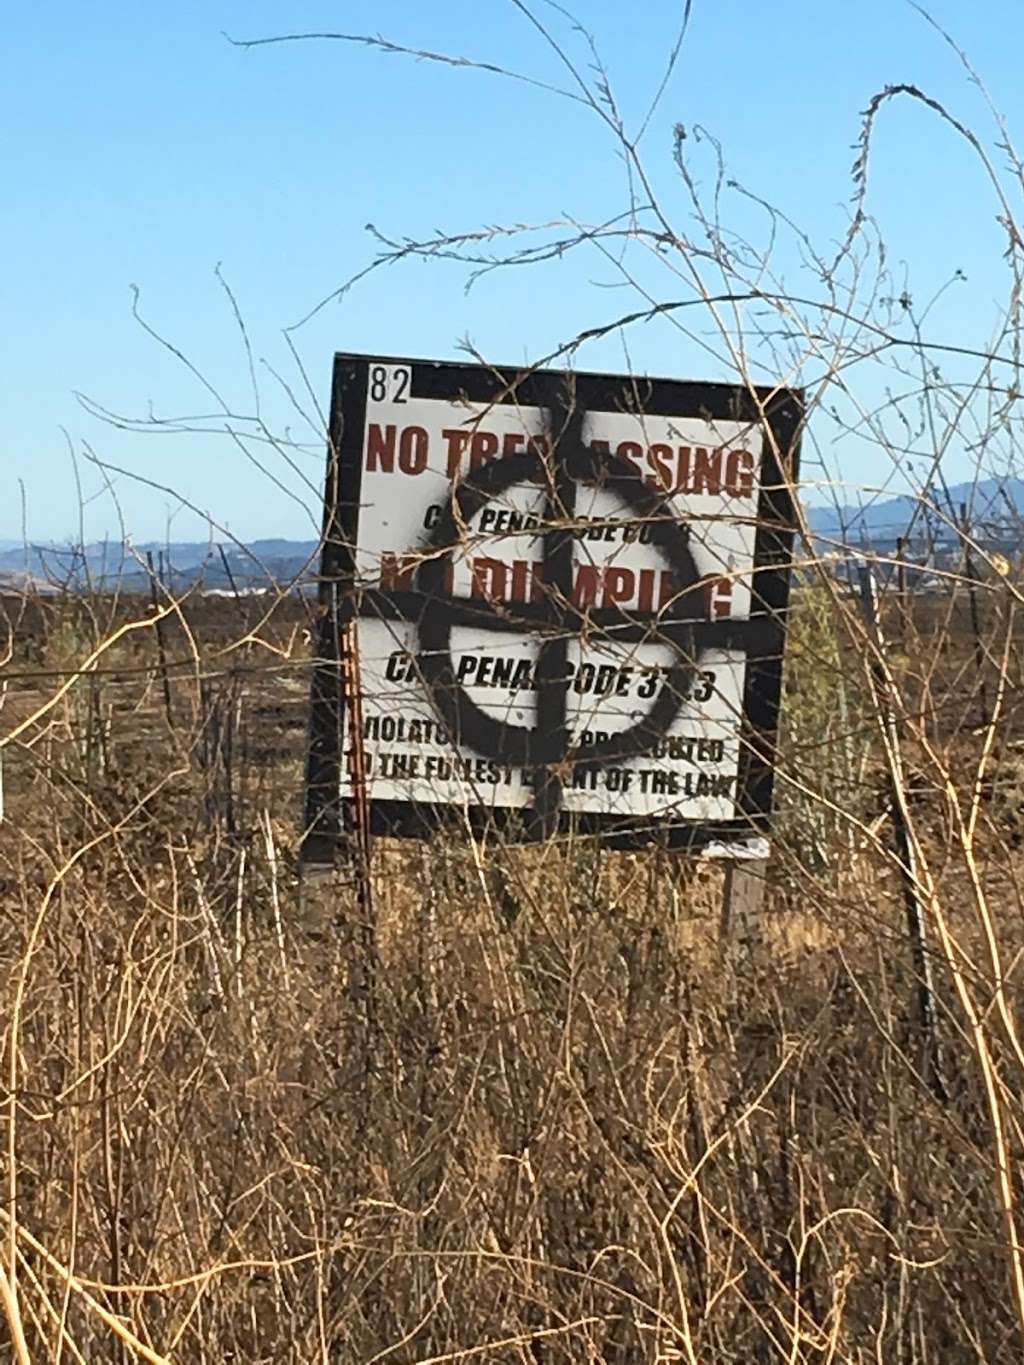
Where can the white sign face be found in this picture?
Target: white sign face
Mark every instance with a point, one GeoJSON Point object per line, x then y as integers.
{"type": "Point", "coordinates": [551, 592]}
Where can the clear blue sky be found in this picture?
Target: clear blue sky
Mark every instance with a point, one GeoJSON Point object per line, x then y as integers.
{"type": "Point", "coordinates": [141, 148]}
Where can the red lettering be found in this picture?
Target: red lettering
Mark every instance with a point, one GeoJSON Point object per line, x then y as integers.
{"type": "Point", "coordinates": [412, 450]}
{"type": "Point", "coordinates": [630, 451]}
{"type": "Point", "coordinates": [683, 470]}
{"type": "Point", "coordinates": [457, 440]}
{"type": "Point", "coordinates": [482, 447]}
{"type": "Point", "coordinates": [396, 571]}
{"type": "Point", "coordinates": [511, 442]}
{"type": "Point", "coordinates": [584, 590]}
{"type": "Point", "coordinates": [536, 582]}
{"type": "Point", "coordinates": [739, 473]}
{"type": "Point", "coordinates": [719, 598]}
{"type": "Point", "coordinates": [527, 581]}
{"type": "Point", "coordinates": [645, 593]}
{"type": "Point", "coordinates": [380, 448]}
{"type": "Point", "coordinates": [707, 471]}
{"type": "Point", "coordinates": [658, 457]}
{"type": "Point", "coordinates": [619, 585]}
{"type": "Point", "coordinates": [489, 578]}
{"type": "Point", "coordinates": [520, 580]}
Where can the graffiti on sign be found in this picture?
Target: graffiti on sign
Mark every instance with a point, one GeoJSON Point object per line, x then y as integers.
{"type": "Point", "coordinates": [568, 595]}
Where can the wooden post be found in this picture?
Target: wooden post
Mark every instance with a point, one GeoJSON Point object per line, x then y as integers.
{"type": "Point", "coordinates": [899, 814]}
{"type": "Point", "coordinates": [365, 976]}
{"type": "Point", "coordinates": [231, 580]}
{"type": "Point", "coordinates": [972, 597]}
{"type": "Point", "coordinates": [161, 643]}
{"type": "Point", "coordinates": [743, 901]}
{"type": "Point", "coordinates": [901, 588]}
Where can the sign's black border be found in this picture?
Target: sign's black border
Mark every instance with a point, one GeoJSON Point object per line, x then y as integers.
{"type": "Point", "coordinates": [779, 414]}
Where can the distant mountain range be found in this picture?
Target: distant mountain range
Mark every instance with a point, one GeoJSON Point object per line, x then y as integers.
{"type": "Point", "coordinates": [995, 510]}
{"type": "Point", "coordinates": [260, 564]}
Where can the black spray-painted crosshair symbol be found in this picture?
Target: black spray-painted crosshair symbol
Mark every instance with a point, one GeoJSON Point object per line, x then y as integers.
{"type": "Point", "coordinates": [548, 747]}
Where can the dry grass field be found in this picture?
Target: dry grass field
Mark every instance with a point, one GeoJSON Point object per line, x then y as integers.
{"type": "Point", "coordinates": [534, 1108]}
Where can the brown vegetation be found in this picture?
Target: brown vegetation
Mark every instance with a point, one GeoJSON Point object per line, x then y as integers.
{"type": "Point", "coordinates": [538, 1110]}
